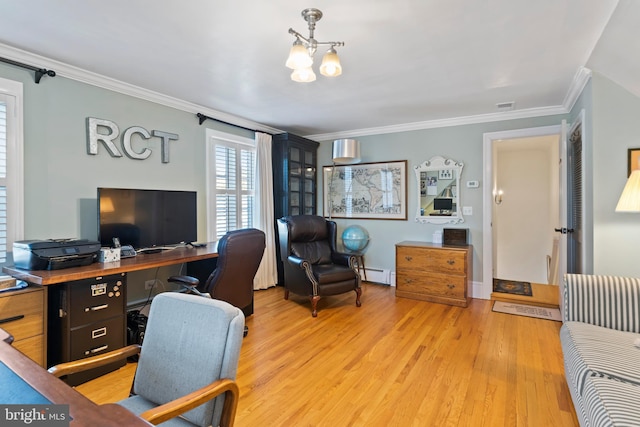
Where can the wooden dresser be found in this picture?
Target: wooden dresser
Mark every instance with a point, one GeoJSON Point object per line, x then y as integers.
{"type": "Point", "coordinates": [22, 315]}
{"type": "Point", "coordinates": [434, 272]}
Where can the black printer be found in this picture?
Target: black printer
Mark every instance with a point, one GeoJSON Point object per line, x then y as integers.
{"type": "Point", "coordinates": [54, 254]}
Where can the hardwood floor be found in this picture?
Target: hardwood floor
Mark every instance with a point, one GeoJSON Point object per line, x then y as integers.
{"type": "Point", "coordinates": [542, 295]}
{"type": "Point", "coordinates": [391, 362]}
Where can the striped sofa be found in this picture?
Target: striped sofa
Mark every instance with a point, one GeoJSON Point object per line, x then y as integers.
{"type": "Point", "coordinates": [599, 336]}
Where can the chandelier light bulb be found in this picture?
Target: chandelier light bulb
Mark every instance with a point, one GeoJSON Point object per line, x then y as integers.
{"type": "Point", "coordinates": [330, 66]}
{"type": "Point", "coordinates": [301, 54]}
{"type": "Point", "coordinates": [303, 75]}
{"type": "Point", "coordinates": [298, 56]}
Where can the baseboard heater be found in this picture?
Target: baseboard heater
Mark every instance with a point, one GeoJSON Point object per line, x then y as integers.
{"type": "Point", "coordinates": [377, 275]}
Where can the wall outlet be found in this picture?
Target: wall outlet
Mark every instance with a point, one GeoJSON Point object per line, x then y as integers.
{"type": "Point", "coordinates": [467, 210]}
{"type": "Point", "coordinates": [150, 284]}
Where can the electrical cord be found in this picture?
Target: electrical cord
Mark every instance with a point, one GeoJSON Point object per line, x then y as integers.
{"type": "Point", "coordinates": [149, 297]}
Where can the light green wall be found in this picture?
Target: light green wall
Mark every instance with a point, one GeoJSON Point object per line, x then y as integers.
{"type": "Point", "coordinates": [61, 178]}
{"type": "Point", "coordinates": [616, 113]}
{"type": "Point", "coordinates": [462, 143]}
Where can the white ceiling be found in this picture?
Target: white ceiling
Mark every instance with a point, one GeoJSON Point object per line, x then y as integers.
{"type": "Point", "coordinates": [404, 62]}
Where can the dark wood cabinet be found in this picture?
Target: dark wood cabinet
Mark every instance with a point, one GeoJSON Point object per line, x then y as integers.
{"type": "Point", "coordinates": [294, 175]}
{"type": "Point", "coordinates": [295, 186]}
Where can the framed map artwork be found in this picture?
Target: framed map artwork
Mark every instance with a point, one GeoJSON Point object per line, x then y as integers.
{"type": "Point", "coordinates": [366, 190]}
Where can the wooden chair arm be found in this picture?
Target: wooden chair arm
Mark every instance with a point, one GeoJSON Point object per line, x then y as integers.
{"type": "Point", "coordinates": [80, 365]}
{"type": "Point", "coordinates": [6, 336]}
{"type": "Point", "coordinates": [196, 398]}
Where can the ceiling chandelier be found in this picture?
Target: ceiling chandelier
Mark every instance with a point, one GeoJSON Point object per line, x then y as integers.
{"type": "Point", "coordinates": [301, 54]}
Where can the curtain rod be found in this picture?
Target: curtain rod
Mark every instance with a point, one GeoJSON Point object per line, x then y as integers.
{"type": "Point", "coordinates": [202, 118]}
{"type": "Point", "coordinates": [40, 72]}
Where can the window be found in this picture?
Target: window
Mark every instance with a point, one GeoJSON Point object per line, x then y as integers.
{"type": "Point", "coordinates": [11, 182]}
{"type": "Point", "coordinates": [231, 165]}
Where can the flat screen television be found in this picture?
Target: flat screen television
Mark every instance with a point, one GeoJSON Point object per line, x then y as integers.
{"type": "Point", "coordinates": [146, 218]}
{"type": "Point", "coordinates": [442, 204]}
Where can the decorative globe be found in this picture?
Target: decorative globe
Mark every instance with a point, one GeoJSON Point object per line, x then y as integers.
{"type": "Point", "coordinates": [355, 238]}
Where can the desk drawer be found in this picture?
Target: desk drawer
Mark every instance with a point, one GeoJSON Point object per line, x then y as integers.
{"type": "Point", "coordinates": [97, 338]}
{"type": "Point", "coordinates": [441, 261]}
{"type": "Point", "coordinates": [22, 313]}
{"type": "Point", "coordinates": [432, 284]}
{"type": "Point", "coordinates": [95, 299]}
{"type": "Point", "coordinates": [33, 348]}
{"type": "Point", "coordinates": [90, 340]}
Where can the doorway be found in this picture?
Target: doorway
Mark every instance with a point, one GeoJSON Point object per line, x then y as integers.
{"type": "Point", "coordinates": [526, 207]}
{"type": "Point", "coordinates": [515, 231]}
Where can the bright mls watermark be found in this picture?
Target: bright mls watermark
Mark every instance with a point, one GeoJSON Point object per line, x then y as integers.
{"type": "Point", "coordinates": [35, 415]}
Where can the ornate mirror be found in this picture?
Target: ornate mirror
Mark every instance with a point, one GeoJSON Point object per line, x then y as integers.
{"type": "Point", "coordinates": [439, 191]}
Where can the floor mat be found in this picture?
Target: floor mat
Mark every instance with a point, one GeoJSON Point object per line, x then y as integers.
{"type": "Point", "coordinates": [512, 287]}
{"type": "Point", "coordinates": [527, 310]}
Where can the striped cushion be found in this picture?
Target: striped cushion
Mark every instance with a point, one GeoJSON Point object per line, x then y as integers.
{"type": "Point", "coordinates": [611, 403]}
{"type": "Point", "coordinates": [609, 301]}
{"type": "Point", "coordinates": [590, 350]}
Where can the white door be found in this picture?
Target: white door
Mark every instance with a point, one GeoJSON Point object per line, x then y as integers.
{"type": "Point", "coordinates": [558, 263]}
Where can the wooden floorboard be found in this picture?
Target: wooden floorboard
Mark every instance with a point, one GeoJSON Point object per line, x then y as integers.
{"type": "Point", "coordinates": [541, 295]}
{"type": "Point", "coordinates": [391, 362]}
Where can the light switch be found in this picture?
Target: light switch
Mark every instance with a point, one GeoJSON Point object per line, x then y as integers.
{"type": "Point", "coordinates": [473, 184]}
{"type": "Point", "coordinates": [467, 210]}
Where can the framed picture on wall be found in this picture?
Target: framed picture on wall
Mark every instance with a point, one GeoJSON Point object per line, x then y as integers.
{"type": "Point", "coordinates": [366, 190]}
{"type": "Point", "coordinates": [633, 160]}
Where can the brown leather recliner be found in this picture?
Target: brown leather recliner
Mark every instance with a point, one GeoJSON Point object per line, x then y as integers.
{"type": "Point", "coordinates": [239, 255]}
{"type": "Point", "coordinates": [312, 265]}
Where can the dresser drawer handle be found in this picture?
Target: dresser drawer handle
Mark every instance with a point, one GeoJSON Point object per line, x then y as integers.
{"type": "Point", "coordinates": [11, 319]}
{"type": "Point", "coordinates": [408, 258]}
{"type": "Point", "coordinates": [96, 350]}
{"type": "Point", "coordinates": [451, 262]}
{"type": "Point", "coordinates": [96, 308]}
{"type": "Point", "coordinates": [450, 286]}
{"type": "Point", "coordinates": [408, 280]}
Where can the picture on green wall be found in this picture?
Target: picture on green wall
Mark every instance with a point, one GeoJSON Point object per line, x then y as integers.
{"type": "Point", "coordinates": [366, 190]}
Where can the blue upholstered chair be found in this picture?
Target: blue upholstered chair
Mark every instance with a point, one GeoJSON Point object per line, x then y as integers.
{"type": "Point", "coordinates": [191, 348]}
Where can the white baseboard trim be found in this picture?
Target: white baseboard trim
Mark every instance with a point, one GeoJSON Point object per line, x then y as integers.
{"type": "Point", "coordinates": [477, 290]}
{"type": "Point", "coordinates": [377, 275]}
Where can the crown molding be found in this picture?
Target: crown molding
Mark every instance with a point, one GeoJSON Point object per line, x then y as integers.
{"type": "Point", "coordinates": [68, 71]}
{"type": "Point", "coordinates": [578, 84]}
{"type": "Point", "coordinates": [455, 121]}
{"type": "Point", "coordinates": [98, 80]}
{"type": "Point", "coordinates": [580, 80]}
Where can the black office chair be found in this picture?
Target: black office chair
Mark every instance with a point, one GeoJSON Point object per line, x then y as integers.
{"type": "Point", "coordinates": [239, 255]}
